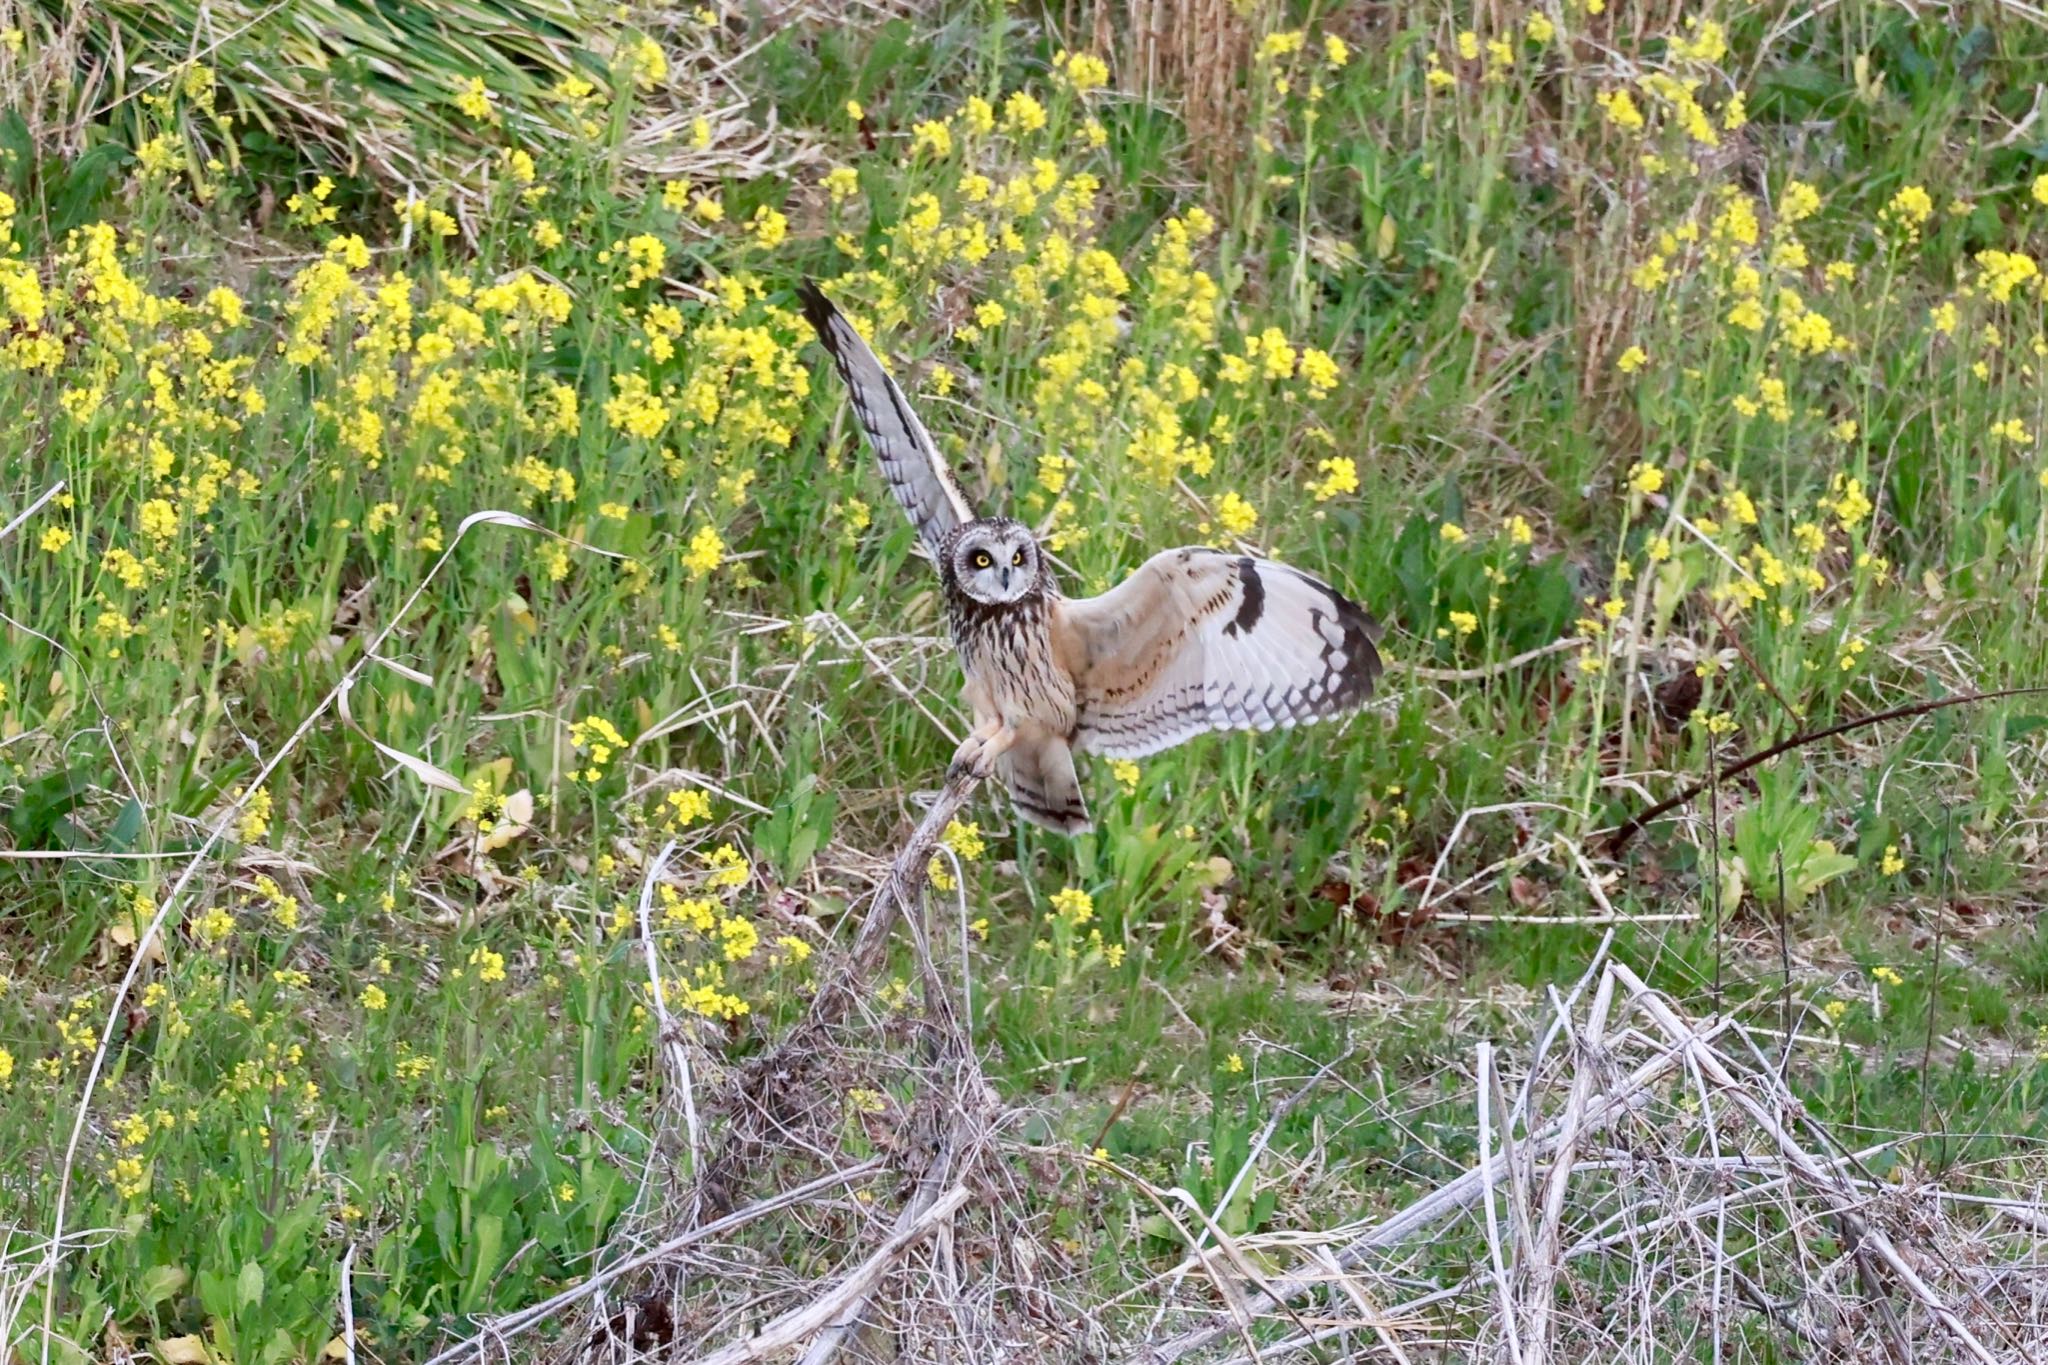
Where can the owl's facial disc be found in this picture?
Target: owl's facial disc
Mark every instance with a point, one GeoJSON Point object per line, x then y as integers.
{"type": "Point", "coordinates": [997, 562]}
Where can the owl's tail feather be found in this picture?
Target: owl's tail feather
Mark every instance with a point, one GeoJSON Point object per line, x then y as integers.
{"type": "Point", "coordinates": [1042, 782]}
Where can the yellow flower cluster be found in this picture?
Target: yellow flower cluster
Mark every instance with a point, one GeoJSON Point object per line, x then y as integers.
{"type": "Point", "coordinates": [601, 742]}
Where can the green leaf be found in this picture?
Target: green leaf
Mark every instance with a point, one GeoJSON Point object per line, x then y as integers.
{"type": "Point", "coordinates": [17, 152]}
{"type": "Point", "coordinates": [1798, 89]}
{"type": "Point", "coordinates": [161, 1282]}
{"type": "Point", "coordinates": [121, 835]}
{"type": "Point", "coordinates": [37, 819]}
{"type": "Point", "coordinates": [91, 179]}
{"type": "Point", "coordinates": [249, 1285]}
{"type": "Point", "coordinates": [487, 1239]}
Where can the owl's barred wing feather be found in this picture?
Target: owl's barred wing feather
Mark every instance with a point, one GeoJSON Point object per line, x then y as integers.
{"type": "Point", "coordinates": [911, 463]}
{"type": "Point", "coordinates": [1043, 784]}
{"type": "Point", "coordinates": [1200, 640]}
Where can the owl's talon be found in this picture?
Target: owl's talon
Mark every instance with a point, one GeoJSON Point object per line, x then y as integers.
{"type": "Point", "coordinates": [976, 757]}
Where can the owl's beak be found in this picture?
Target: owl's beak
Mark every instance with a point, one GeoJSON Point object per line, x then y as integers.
{"type": "Point", "coordinates": [1006, 578]}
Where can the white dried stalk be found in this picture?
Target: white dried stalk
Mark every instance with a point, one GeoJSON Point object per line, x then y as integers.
{"type": "Point", "coordinates": [1803, 1162]}
{"type": "Point", "coordinates": [1544, 1257]}
{"type": "Point", "coordinates": [799, 1324]}
{"type": "Point", "coordinates": [671, 1039]}
{"type": "Point", "coordinates": [1493, 1249]}
{"type": "Point", "coordinates": [1459, 1194]}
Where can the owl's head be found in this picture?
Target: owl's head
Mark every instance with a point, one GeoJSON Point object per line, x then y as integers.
{"type": "Point", "coordinates": [996, 561]}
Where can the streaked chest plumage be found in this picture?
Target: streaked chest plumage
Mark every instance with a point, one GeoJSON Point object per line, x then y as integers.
{"type": "Point", "coordinates": [1006, 651]}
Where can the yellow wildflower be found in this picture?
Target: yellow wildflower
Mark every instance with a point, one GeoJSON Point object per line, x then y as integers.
{"type": "Point", "coordinates": [706, 552]}
{"type": "Point", "coordinates": [1235, 515]}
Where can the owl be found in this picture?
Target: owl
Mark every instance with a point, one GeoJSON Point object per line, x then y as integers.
{"type": "Point", "coordinates": [1196, 639]}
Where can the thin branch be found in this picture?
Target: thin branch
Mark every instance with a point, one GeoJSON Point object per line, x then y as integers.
{"type": "Point", "coordinates": [1634, 825]}
{"type": "Point", "coordinates": [1686, 1037]}
{"type": "Point", "coordinates": [1486, 671]}
{"type": "Point", "coordinates": [52, 491]}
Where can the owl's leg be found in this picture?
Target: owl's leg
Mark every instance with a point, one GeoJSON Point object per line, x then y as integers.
{"type": "Point", "coordinates": [978, 753]}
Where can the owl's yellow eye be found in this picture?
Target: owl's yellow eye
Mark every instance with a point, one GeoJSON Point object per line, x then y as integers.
{"type": "Point", "coordinates": [1017, 560]}
{"type": "Point", "coordinates": [981, 559]}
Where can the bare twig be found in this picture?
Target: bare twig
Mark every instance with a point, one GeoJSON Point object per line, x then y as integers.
{"type": "Point", "coordinates": [1496, 1260]}
{"type": "Point", "coordinates": [1634, 825]}
{"type": "Point", "coordinates": [348, 1305]}
{"type": "Point", "coordinates": [140, 954]}
{"type": "Point", "coordinates": [836, 995]}
{"type": "Point", "coordinates": [1486, 671]}
{"type": "Point", "coordinates": [25, 513]}
{"type": "Point", "coordinates": [1441, 1203]}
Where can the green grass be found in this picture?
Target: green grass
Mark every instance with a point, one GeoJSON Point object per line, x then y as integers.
{"type": "Point", "coordinates": [361, 1027]}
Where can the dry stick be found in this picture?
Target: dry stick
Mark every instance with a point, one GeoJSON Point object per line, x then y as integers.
{"type": "Point", "coordinates": [907, 875]}
{"type": "Point", "coordinates": [1441, 1203]}
{"type": "Point", "coordinates": [1544, 1257]}
{"type": "Point", "coordinates": [1687, 1039]}
{"type": "Point", "coordinates": [1493, 1252]}
{"type": "Point", "coordinates": [1116, 1111]}
{"type": "Point", "coordinates": [1226, 1290]}
{"type": "Point", "coordinates": [897, 894]}
{"type": "Point", "coordinates": [1521, 1175]}
{"type": "Point", "coordinates": [1713, 1134]}
{"type": "Point", "coordinates": [839, 1332]}
{"type": "Point", "coordinates": [1378, 1321]}
{"type": "Point", "coordinates": [1714, 855]}
{"type": "Point", "coordinates": [794, 1326]}
{"type": "Point", "coordinates": [527, 1318]}
{"type": "Point", "coordinates": [955, 1047]}
{"type": "Point", "coordinates": [1481, 674]}
{"type": "Point", "coordinates": [1941, 893]}
{"type": "Point", "coordinates": [15, 524]}
{"type": "Point", "coordinates": [835, 997]}
{"type": "Point", "coordinates": [1634, 825]}
{"type": "Point", "coordinates": [348, 1306]}
{"type": "Point", "coordinates": [1443, 856]}
{"type": "Point", "coordinates": [1784, 968]}
{"type": "Point", "coordinates": [1560, 1022]}
{"type": "Point", "coordinates": [1757, 669]}
{"type": "Point", "coordinates": [1273, 1122]}
{"type": "Point", "coordinates": [670, 1036]}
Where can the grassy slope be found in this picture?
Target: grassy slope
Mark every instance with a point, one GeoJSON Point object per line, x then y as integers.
{"type": "Point", "coordinates": [1469, 248]}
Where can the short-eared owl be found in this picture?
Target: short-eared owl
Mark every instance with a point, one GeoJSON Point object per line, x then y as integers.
{"type": "Point", "coordinates": [1196, 639]}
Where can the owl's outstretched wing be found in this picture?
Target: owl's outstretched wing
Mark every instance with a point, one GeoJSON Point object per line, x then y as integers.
{"type": "Point", "coordinates": [911, 463]}
{"type": "Point", "coordinates": [1199, 640]}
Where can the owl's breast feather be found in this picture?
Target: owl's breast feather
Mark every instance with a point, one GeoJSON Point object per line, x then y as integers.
{"type": "Point", "coordinates": [1007, 654]}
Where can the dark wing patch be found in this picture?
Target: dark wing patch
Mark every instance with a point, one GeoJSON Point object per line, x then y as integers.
{"type": "Point", "coordinates": [1253, 604]}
